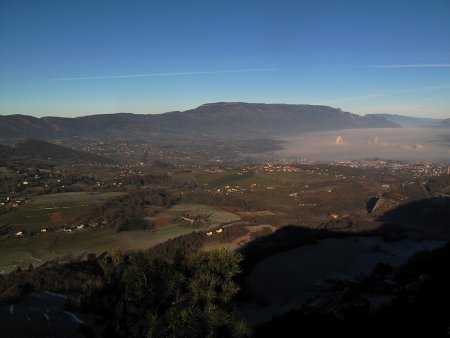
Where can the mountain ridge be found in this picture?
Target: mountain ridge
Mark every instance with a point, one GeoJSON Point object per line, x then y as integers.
{"type": "Point", "coordinates": [211, 119]}
{"type": "Point", "coordinates": [410, 121]}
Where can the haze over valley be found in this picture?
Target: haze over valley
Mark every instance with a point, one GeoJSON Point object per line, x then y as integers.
{"type": "Point", "coordinates": [248, 130]}
{"type": "Point", "coordinates": [224, 169]}
{"type": "Point", "coordinates": [408, 143]}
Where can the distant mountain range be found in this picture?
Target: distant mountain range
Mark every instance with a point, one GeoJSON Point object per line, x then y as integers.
{"type": "Point", "coordinates": [409, 121]}
{"type": "Point", "coordinates": [214, 119]}
{"type": "Point", "coordinates": [40, 150]}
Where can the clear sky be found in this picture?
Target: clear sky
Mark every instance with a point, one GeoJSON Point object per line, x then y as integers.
{"type": "Point", "coordinates": [80, 57]}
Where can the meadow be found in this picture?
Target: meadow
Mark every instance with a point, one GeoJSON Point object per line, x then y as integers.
{"type": "Point", "coordinates": [52, 210]}
{"type": "Point", "coordinates": [43, 247]}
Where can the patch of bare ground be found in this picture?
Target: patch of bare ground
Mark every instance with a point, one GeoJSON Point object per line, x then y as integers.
{"type": "Point", "coordinates": [261, 213]}
{"type": "Point", "coordinates": [354, 223]}
{"type": "Point", "coordinates": [164, 220]}
{"type": "Point", "coordinates": [253, 231]}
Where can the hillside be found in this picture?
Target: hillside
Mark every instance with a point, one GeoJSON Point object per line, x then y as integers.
{"type": "Point", "coordinates": [5, 151]}
{"type": "Point", "coordinates": [236, 119]}
{"type": "Point", "coordinates": [410, 121]}
{"type": "Point", "coordinates": [31, 149]}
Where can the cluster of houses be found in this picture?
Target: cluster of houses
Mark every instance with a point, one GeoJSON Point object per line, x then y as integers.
{"type": "Point", "coordinates": [418, 170]}
{"type": "Point", "coordinates": [33, 177]}
{"type": "Point", "coordinates": [77, 227]}
{"type": "Point", "coordinates": [11, 200]}
{"type": "Point", "coordinates": [286, 168]}
{"type": "Point", "coordinates": [232, 190]}
{"type": "Point", "coordinates": [196, 219]}
{"type": "Point", "coordinates": [210, 233]}
{"type": "Point", "coordinates": [26, 178]}
{"type": "Point", "coordinates": [71, 228]}
{"type": "Point", "coordinates": [237, 189]}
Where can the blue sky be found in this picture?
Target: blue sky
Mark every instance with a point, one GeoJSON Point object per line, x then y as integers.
{"type": "Point", "coordinates": [72, 58]}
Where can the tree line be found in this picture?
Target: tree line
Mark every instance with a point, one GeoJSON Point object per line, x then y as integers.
{"type": "Point", "coordinates": [129, 212]}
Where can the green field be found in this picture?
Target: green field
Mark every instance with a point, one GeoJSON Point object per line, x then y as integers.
{"type": "Point", "coordinates": [49, 246]}
{"type": "Point", "coordinates": [267, 190]}
{"type": "Point", "coordinates": [215, 218]}
{"type": "Point", "coordinates": [237, 177]}
{"type": "Point", "coordinates": [232, 178]}
{"type": "Point", "coordinates": [55, 209]}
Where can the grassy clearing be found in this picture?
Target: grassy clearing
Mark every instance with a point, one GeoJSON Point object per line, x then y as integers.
{"type": "Point", "coordinates": [262, 179]}
{"type": "Point", "coordinates": [55, 209]}
{"type": "Point", "coordinates": [214, 217]}
{"type": "Point", "coordinates": [233, 178]}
